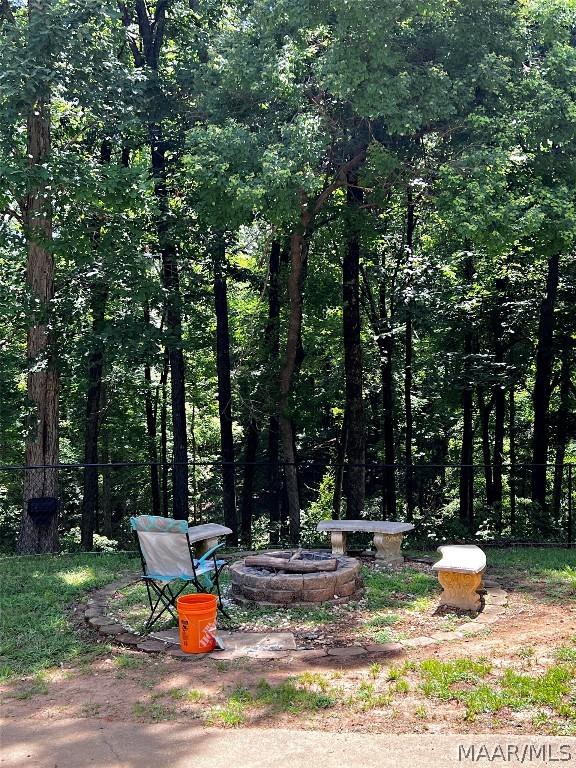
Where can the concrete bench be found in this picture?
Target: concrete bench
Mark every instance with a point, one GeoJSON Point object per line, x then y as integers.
{"type": "Point", "coordinates": [387, 536]}
{"type": "Point", "coordinates": [460, 572]}
{"type": "Point", "coordinates": [206, 536]}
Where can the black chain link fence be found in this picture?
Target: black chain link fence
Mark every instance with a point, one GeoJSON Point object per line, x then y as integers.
{"type": "Point", "coordinates": [39, 505]}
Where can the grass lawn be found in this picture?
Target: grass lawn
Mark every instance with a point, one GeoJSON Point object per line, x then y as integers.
{"type": "Point", "coordinates": [36, 594]}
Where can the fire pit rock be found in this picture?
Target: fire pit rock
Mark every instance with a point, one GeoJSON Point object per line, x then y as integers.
{"type": "Point", "coordinates": [274, 587]}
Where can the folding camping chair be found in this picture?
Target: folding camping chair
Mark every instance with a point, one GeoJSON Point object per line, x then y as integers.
{"type": "Point", "coordinates": [167, 556]}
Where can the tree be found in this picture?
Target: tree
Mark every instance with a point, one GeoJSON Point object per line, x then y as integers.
{"type": "Point", "coordinates": [42, 380]}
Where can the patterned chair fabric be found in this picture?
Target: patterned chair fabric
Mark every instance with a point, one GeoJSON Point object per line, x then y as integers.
{"type": "Point", "coordinates": [157, 524]}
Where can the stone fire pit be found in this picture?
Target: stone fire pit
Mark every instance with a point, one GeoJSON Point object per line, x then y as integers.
{"type": "Point", "coordinates": [276, 587]}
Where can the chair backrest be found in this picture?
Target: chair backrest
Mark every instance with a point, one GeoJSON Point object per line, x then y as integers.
{"type": "Point", "coordinates": [164, 546]}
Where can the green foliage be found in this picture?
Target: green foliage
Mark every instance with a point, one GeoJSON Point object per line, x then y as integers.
{"type": "Point", "coordinates": [467, 108]}
{"type": "Point", "coordinates": [71, 542]}
{"type": "Point", "coordinates": [440, 676]}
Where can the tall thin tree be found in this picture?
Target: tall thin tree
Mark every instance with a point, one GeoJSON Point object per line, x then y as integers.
{"type": "Point", "coordinates": [43, 377]}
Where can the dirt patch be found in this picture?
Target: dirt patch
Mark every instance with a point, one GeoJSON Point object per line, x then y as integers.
{"type": "Point", "coordinates": [366, 695]}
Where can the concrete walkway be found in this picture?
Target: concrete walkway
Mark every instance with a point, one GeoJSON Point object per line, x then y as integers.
{"type": "Point", "coordinates": [100, 744]}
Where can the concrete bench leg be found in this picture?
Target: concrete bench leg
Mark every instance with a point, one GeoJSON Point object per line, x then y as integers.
{"type": "Point", "coordinates": [388, 547]}
{"type": "Point", "coordinates": [460, 590]}
{"type": "Point", "coordinates": [203, 546]}
{"type": "Point", "coordinates": [338, 539]}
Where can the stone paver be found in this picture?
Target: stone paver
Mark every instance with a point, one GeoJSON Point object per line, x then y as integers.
{"type": "Point", "coordinates": [384, 648]}
{"type": "Point", "coordinates": [493, 610]}
{"type": "Point", "coordinates": [112, 629]}
{"type": "Point", "coordinates": [471, 628]}
{"type": "Point", "coordinates": [238, 644]}
{"type": "Point", "coordinates": [418, 642]}
{"type": "Point", "coordinates": [99, 621]}
{"type": "Point", "coordinates": [308, 654]}
{"type": "Point", "coordinates": [446, 636]}
{"type": "Point", "coordinates": [128, 639]}
{"type": "Point", "coordinates": [491, 599]}
{"type": "Point", "coordinates": [151, 646]}
{"type": "Point", "coordinates": [487, 618]}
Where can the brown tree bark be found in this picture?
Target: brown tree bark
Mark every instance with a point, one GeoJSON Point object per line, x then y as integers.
{"type": "Point", "coordinates": [164, 435]}
{"type": "Point", "coordinates": [151, 428]}
{"type": "Point", "coordinates": [299, 245]}
{"type": "Point", "coordinates": [106, 505]}
{"type": "Point", "coordinates": [272, 336]}
{"type": "Point", "coordinates": [151, 28]}
{"type": "Point", "coordinates": [386, 344]}
{"type": "Point", "coordinates": [512, 442]}
{"type": "Point", "coordinates": [292, 360]}
{"type": "Point", "coordinates": [542, 393]}
{"type": "Point", "coordinates": [355, 475]}
{"type": "Point", "coordinates": [224, 392]}
{"type": "Point", "coordinates": [247, 502]}
{"type": "Point", "coordinates": [339, 469]}
{"type": "Point", "coordinates": [499, 398]}
{"type": "Point", "coordinates": [466, 483]}
{"type": "Point", "coordinates": [485, 411]}
{"type": "Point", "coordinates": [98, 300]}
{"type": "Point", "coordinates": [380, 315]}
{"type": "Point", "coordinates": [408, 359]}
{"type": "Point", "coordinates": [563, 418]}
{"type": "Point", "coordinates": [43, 378]}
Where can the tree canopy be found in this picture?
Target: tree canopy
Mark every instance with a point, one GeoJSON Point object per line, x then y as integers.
{"type": "Point", "coordinates": [296, 259]}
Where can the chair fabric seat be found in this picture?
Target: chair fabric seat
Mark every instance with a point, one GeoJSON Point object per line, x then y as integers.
{"type": "Point", "coordinates": [201, 568]}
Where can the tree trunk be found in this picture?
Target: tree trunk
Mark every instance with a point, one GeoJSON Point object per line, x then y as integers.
{"type": "Point", "coordinates": [247, 505]}
{"type": "Point", "coordinates": [541, 395]}
{"type": "Point", "coordinates": [273, 344]}
{"type": "Point", "coordinates": [466, 484]}
{"type": "Point", "coordinates": [42, 380]}
{"type": "Point", "coordinates": [355, 477]}
{"type": "Point", "coordinates": [151, 31]}
{"type": "Point", "coordinates": [339, 469]}
{"type": "Point", "coordinates": [292, 360]}
{"type": "Point", "coordinates": [151, 430]}
{"type": "Point", "coordinates": [164, 435]}
{"type": "Point", "coordinates": [512, 440]}
{"type": "Point", "coordinates": [106, 471]}
{"type": "Point", "coordinates": [224, 391]}
{"type": "Point", "coordinates": [98, 300]}
{"type": "Point", "coordinates": [381, 320]}
{"type": "Point", "coordinates": [386, 345]}
{"type": "Point", "coordinates": [485, 410]}
{"type": "Point", "coordinates": [171, 283]}
{"type": "Point", "coordinates": [499, 398]}
{"type": "Point", "coordinates": [562, 425]}
{"type": "Point", "coordinates": [408, 373]}
{"type": "Point", "coordinates": [195, 516]}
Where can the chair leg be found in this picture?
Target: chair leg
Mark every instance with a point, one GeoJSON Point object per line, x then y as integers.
{"type": "Point", "coordinates": [166, 597]}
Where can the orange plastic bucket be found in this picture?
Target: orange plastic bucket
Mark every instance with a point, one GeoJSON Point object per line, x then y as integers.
{"type": "Point", "coordinates": [197, 622]}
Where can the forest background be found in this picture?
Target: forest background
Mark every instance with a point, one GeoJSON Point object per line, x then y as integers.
{"type": "Point", "coordinates": [268, 262]}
